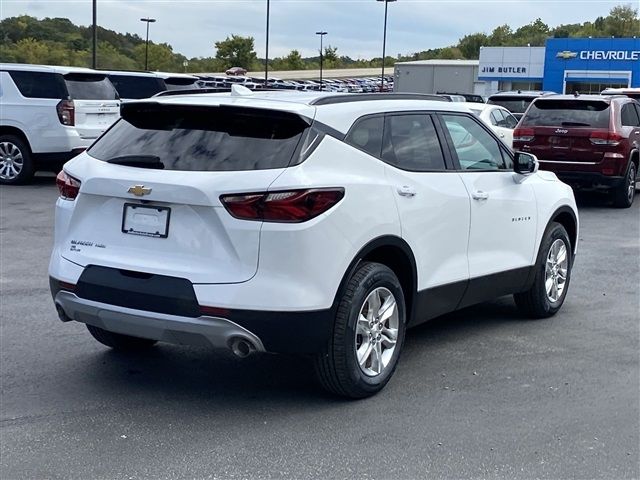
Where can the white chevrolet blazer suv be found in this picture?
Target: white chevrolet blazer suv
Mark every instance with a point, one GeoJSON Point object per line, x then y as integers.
{"type": "Point", "coordinates": [307, 223]}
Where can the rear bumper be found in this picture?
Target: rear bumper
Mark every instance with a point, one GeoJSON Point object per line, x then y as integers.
{"type": "Point", "coordinates": [304, 332]}
{"type": "Point", "coordinates": [56, 158]}
{"type": "Point", "coordinates": [590, 180]}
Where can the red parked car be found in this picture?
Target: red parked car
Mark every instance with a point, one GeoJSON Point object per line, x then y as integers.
{"type": "Point", "coordinates": [589, 141]}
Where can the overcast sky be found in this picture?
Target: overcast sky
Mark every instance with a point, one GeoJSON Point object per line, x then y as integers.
{"type": "Point", "coordinates": [354, 26]}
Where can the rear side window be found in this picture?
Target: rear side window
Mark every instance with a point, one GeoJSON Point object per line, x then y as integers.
{"type": "Point", "coordinates": [136, 87]}
{"type": "Point", "coordinates": [366, 135]}
{"type": "Point", "coordinates": [513, 104]}
{"type": "Point", "coordinates": [40, 84]}
{"type": "Point", "coordinates": [411, 143]}
{"type": "Point", "coordinates": [189, 138]}
{"type": "Point", "coordinates": [629, 116]}
{"type": "Point", "coordinates": [89, 87]}
{"type": "Point", "coordinates": [568, 113]}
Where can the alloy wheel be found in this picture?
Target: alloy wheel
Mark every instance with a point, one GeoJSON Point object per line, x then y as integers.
{"type": "Point", "coordinates": [11, 161]}
{"type": "Point", "coordinates": [556, 270]}
{"type": "Point", "coordinates": [377, 331]}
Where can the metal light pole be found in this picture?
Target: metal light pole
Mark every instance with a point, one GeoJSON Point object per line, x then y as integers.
{"type": "Point", "coordinates": [146, 48]}
{"type": "Point", "coordinates": [384, 40]}
{"type": "Point", "coordinates": [322, 34]}
{"type": "Point", "coordinates": [266, 57]}
{"type": "Point", "coordinates": [94, 56]}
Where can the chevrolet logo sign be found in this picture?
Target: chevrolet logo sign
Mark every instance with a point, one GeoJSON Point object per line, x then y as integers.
{"type": "Point", "coordinates": [139, 190]}
{"type": "Point", "coordinates": [566, 54]}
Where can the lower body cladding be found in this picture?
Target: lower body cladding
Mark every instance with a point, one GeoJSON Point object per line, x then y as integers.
{"type": "Point", "coordinates": [166, 309]}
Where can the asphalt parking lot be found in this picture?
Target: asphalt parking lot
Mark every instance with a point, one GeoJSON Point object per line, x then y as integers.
{"type": "Point", "coordinates": [482, 393]}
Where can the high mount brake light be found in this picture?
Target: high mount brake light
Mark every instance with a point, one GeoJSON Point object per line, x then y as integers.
{"type": "Point", "coordinates": [523, 135]}
{"type": "Point", "coordinates": [66, 112]}
{"type": "Point", "coordinates": [69, 187]}
{"type": "Point", "coordinates": [291, 206]}
{"type": "Point", "coordinates": [604, 137]}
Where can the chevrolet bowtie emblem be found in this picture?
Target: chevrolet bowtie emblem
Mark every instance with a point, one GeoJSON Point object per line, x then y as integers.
{"type": "Point", "coordinates": [139, 190]}
{"type": "Point", "coordinates": [566, 54]}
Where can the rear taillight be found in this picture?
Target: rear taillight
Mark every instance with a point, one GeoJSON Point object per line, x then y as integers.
{"type": "Point", "coordinates": [66, 112]}
{"type": "Point", "coordinates": [291, 206]}
{"type": "Point", "coordinates": [604, 137]}
{"type": "Point", "coordinates": [69, 187]}
{"type": "Point", "coordinates": [523, 135]}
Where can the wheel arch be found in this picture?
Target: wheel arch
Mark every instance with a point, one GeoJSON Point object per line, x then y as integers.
{"type": "Point", "coordinates": [566, 217]}
{"type": "Point", "coordinates": [395, 253]}
{"type": "Point", "coordinates": [9, 130]}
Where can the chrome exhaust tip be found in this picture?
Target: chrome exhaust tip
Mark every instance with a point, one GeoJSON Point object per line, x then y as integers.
{"type": "Point", "coordinates": [242, 348]}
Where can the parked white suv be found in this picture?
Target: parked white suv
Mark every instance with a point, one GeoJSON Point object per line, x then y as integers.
{"type": "Point", "coordinates": [304, 223]}
{"type": "Point", "coordinates": [48, 115]}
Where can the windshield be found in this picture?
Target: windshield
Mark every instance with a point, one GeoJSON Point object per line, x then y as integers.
{"type": "Point", "coordinates": [83, 86]}
{"type": "Point", "coordinates": [201, 138]}
{"type": "Point", "coordinates": [513, 104]}
{"type": "Point", "coordinates": [568, 113]}
{"type": "Point", "coordinates": [136, 87]}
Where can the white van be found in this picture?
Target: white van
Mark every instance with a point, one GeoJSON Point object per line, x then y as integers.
{"type": "Point", "coordinates": [50, 114]}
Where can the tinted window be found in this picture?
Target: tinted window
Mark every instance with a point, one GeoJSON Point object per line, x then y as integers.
{"type": "Point", "coordinates": [201, 139]}
{"type": "Point", "coordinates": [568, 113]}
{"type": "Point", "coordinates": [366, 135]}
{"type": "Point", "coordinates": [475, 147]}
{"type": "Point", "coordinates": [133, 86]}
{"type": "Point", "coordinates": [510, 120]}
{"type": "Point", "coordinates": [40, 84]}
{"type": "Point", "coordinates": [411, 143]}
{"type": "Point", "coordinates": [629, 116]}
{"type": "Point", "coordinates": [496, 118]}
{"type": "Point", "coordinates": [179, 83]}
{"type": "Point", "coordinates": [89, 87]}
{"type": "Point", "coordinates": [513, 104]}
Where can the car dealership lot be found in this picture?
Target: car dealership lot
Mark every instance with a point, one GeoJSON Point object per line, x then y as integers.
{"type": "Point", "coordinates": [479, 393]}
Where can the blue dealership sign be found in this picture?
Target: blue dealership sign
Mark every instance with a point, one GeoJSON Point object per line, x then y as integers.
{"type": "Point", "coordinates": [597, 60]}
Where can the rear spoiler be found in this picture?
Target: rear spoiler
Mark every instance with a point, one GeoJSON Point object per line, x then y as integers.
{"type": "Point", "coordinates": [195, 91]}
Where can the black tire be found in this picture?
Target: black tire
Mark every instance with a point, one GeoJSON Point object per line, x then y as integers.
{"type": "Point", "coordinates": [535, 303]}
{"type": "Point", "coordinates": [11, 144]}
{"type": "Point", "coordinates": [623, 195]}
{"type": "Point", "coordinates": [118, 341]}
{"type": "Point", "coordinates": [337, 368]}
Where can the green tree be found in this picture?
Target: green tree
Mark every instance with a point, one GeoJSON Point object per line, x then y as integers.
{"type": "Point", "coordinates": [236, 51]}
{"type": "Point", "coordinates": [622, 21]}
{"type": "Point", "coordinates": [500, 36]}
{"type": "Point", "coordinates": [293, 61]}
{"type": "Point", "coordinates": [161, 57]}
{"type": "Point", "coordinates": [470, 45]}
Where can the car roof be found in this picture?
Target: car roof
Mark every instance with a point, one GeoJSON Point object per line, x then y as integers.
{"type": "Point", "coordinates": [175, 75]}
{"type": "Point", "coordinates": [129, 73]}
{"type": "Point", "coordinates": [582, 97]}
{"type": "Point", "coordinates": [61, 69]}
{"type": "Point", "coordinates": [338, 111]}
{"type": "Point", "coordinates": [523, 93]}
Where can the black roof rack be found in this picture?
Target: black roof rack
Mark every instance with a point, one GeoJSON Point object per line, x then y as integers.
{"type": "Point", "coordinates": [365, 97]}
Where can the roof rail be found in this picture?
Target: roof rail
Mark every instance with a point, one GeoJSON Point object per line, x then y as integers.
{"type": "Point", "coordinates": [365, 97]}
{"type": "Point", "coordinates": [191, 91]}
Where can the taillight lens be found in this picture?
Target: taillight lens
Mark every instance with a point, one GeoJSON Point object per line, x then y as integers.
{"type": "Point", "coordinates": [604, 137]}
{"type": "Point", "coordinates": [291, 206]}
{"type": "Point", "coordinates": [69, 187]}
{"type": "Point", "coordinates": [523, 135]}
{"type": "Point", "coordinates": [66, 112]}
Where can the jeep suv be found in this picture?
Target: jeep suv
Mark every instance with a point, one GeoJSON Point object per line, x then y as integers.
{"type": "Point", "coordinates": [49, 115]}
{"type": "Point", "coordinates": [307, 223]}
{"type": "Point", "coordinates": [589, 141]}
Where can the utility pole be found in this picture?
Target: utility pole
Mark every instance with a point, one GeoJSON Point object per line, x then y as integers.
{"type": "Point", "coordinates": [94, 56]}
{"type": "Point", "coordinates": [322, 34]}
{"type": "Point", "coordinates": [146, 48]}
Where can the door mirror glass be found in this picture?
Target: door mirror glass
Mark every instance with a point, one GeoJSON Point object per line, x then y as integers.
{"type": "Point", "coordinates": [525, 163]}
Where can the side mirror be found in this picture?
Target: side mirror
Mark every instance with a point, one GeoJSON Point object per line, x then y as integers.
{"type": "Point", "coordinates": [525, 163]}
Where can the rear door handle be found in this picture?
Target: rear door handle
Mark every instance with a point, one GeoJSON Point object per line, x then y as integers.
{"type": "Point", "coordinates": [406, 191]}
{"type": "Point", "coordinates": [480, 195]}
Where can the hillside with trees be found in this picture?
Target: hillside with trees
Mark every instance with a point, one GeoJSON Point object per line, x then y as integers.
{"type": "Point", "coordinates": [57, 41]}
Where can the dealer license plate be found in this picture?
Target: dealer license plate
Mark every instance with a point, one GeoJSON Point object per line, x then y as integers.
{"type": "Point", "coordinates": [146, 220]}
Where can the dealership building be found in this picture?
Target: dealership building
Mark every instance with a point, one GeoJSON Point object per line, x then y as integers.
{"type": "Point", "coordinates": [563, 65]}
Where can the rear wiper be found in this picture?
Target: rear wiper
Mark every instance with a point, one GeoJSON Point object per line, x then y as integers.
{"type": "Point", "coordinates": [575, 124]}
{"type": "Point", "coordinates": [144, 161]}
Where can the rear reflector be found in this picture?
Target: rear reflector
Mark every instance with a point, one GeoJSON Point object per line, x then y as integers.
{"type": "Point", "coordinates": [604, 137]}
{"type": "Point", "coordinates": [523, 135]}
{"type": "Point", "coordinates": [69, 187]}
{"type": "Point", "coordinates": [291, 206]}
{"type": "Point", "coordinates": [70, 287]}
{"type": "Point", "coordinates": [214, 311]}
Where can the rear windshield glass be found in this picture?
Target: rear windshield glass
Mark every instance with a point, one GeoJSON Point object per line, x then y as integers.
{"type": "Point", "coordinates": [201, 138]}
{"type": "Point", "coordinates": [177, 83]}
{"type": "Point", "coordinates": [89, 87]}
{"type": "Point", "coordinates": [513, 104]}
{"type": "Point", "coordinates": [136, 87]}
{"type": "Point", "coordinates": [568, 113]}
